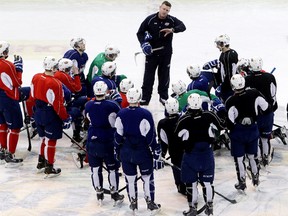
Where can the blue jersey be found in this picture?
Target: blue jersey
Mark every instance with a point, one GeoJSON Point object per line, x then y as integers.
{"type": "Point", "coordinates": [102, 116]}
{"type": "Point", "coordinates": [135, 128]}
{"type": "Point", "coordinates": [80, 59]}
{"type": "Point", "coordinates": [200, 83]}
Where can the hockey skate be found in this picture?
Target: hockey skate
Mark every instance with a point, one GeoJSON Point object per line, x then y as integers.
{"type": "Point", "coordinates": [118, 198]}
{"type": "Point", "coordinates": [78, 159]}
{"type": "Point", "coordinates": [12, 162]}
{"type": "Point", "coordinates": [255, 179]}
{"type": "Point", "coordinates": [209, 208]}
{"type": "Point", "coordinates": [41, 164]}
{"type": "Point", "coordinates": [51, 172]}
{"type": "Point", "coordinates": [152, 206]}
{"type": "Point", "coordinates": [265, 160]}
{"type": "Point", "coordinates": [2, 156]}
{"type": "Point", "coordinates": [133, 204]}
{"type": "Point", "coordinates": [281, 134]}
{"type": "Point", "coordinates": [191, 212]}
{"type": "Point", "coordinates": [100, 195]}
{"type": "Point", "coordinates": [241, 185]}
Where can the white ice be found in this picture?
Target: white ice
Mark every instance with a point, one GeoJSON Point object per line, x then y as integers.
{"type": "Point", "coordinates": [37, 28]}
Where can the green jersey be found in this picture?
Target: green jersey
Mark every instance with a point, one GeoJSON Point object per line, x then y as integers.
{"type": "Point", "coordinates": [95, 67]}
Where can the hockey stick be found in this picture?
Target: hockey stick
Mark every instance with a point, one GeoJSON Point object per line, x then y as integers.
{"type": "Point", "coordinates": [74, 141]}
{"type": "Point", "coordinates": [233, 201]}
{"type": "Point", "coordinates": [27, 127]}
{"type": "Point", "coordinates": [155, 49]}
{"type": "Point", "coordinates": [272, 71]}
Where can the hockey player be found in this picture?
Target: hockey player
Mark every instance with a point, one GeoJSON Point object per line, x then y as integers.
{"type": "Point", "coordinates": [50, 114]}
{"type": "Point", "coordinates": [265, 83]}
{"type": "Point", "coordinates": [79, 58]}
{"type": "Point", "coordinates": [73, 83]}
{"type": "Point", "coordinates": [199, 81]}
{"type": "Point", "coordinates": [196, 130]}
{"type": "Point", "coordinates": [108, 76]}
{"type": "Point", "coordinates": [136, 147]}
{"type": "Point", "coordinates": [10, 113]}
{"type": "Point", "coordinates": [243, 108]}
{"type": "Point", "coordinates": [110, 54]}
{"type": "Point", "coordinates": [124, 86]}
{"type": "Point", "coordinates": [101, 114]}
{"type": "Point", "coordinates": [168, 140]}
{"type": "Point", "coordinates": [228, 65]}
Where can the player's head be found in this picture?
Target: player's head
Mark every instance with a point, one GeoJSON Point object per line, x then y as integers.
{"type": "Point", "coordinates": [222, 41]}
{"type": "Point", "coordinates": [65, 64]}
{"type": "Point", "coordinates": [164, 9]}
{"type": "Point", "coordinates": [78, 44]}
{"type": "Point", "coordinates": [50, 64]}
{"type": "Point", "coordinates": [237, 82]}
{"type": "Point", "coordinates": [4, 49]}
{"type": "Point", "coordinates": [193, 71]}
{"type": "Point", "coordinates": [109, 69]}
{"type": "Point", "coordinates": [125, 85]}
{"type": "Point", "coordinates": [256, 64]}
{"type": "Point", "coordinates": [179, 87]}
{"type": "Point", "coordinates": [172, 106]}
{"type": "Point", "coordinates": [111, 52]}
{"type": "Point", "coordinates": [194, 101]}
{"type": "Point", "coordinates": [133, 96]}
{"type": "Point", "coordinates": [243, 66]}
{"type": "Point", "coordinates": [100, 89]}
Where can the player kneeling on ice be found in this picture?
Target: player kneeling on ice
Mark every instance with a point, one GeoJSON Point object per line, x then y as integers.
{"type": "Point", "coordinates": [101, 113]}
{"type": "Point", "coordinates": [136, 147]}
{"type": "Point", "coordinates": [50, 114]}
{"type": "Point", "coordinates": [196, 130]}
{"type": "Point", "coordinates": [243, 108]}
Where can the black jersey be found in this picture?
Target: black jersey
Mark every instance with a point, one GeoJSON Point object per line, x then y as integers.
{"type": "Point", "coordinates": [243, 107]}
{"type": "Point", "coordinates": [265, 83]}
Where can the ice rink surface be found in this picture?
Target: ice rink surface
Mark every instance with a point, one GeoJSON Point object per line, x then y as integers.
{"type": "Point", "coordinates": [36, 29]}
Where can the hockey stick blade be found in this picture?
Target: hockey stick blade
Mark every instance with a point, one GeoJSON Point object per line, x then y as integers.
{"type": "Point", "coordinates": [233, 201]}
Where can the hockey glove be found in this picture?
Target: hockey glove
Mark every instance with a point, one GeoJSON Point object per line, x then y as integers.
{"type": "Point", "coordinates": [18, 62]}
{"type": "Point", "coordinates": [147, 36]}
{"type": "Point", "coordinates": [146, 48]}
{"type": "Point", "coordinates": [210, 64]}
{"type": "Point", "coordinates": [67, 123]}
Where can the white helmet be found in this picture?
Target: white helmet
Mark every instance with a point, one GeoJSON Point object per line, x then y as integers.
{"type": "Point", "coordinates": [74, 43]}
{"type": "Point", "coordinates": [194, 101]}
{"type": "Point", "coordinates": [242, 64]}
{"type": "Point", "coordinates": [193, 71]}
{"type": "Point", "coordinates": [50, 63]}
{"type": "Point", "coordinates": [100, 88]}
{"type": "Point", "coordinates": [179, 87]}
{"type": "Point", "coordinates": [4, 48]}
{"type": "Point", "coordinates": [65, 64]}
{"type": "Point", "coordinates": [109, 69]}
{"type": "Point", "coordinates": [256, 64]}
{"type": "Point", "coordinates": [237, 82]}
{"type": "Point", "coordinates": [133, 95]}
{"type": "Point", "coordinates": [172, 106]}
{"type": "Point", "coordinates": [125, 85]}
{"type": "Point", "coordinates": [111, 52]}
{"type": "Point", "coordinates": [222, 40]}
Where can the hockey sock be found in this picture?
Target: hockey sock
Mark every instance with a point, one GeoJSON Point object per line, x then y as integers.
{"type": "Point", "coordinates": [148, 185]}
{"type": "Point", "coordinates": [113, 177]}
{"type": "Point", "coordinates": [132, 188]}
{"type": "Point", "coordinates": [240, 167]}
{"type": "Point", "coordinates": [3, 135]}
{"type": "Point", "coordinates": [97, 177]}
{"type": "Point", "coordinates": [42, 146]}
{"type": "Point", "coordinates": [50, 150]}
{"type": "Point", "coordinates": [12, 140]}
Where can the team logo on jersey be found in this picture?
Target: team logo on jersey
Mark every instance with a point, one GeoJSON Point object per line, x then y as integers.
{"type": "Point", "coordinates": [167, 24]}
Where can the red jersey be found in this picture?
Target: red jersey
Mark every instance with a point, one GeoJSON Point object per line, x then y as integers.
{"type": "Point", "coordinates": [49, 89]}
{"type": "Point", "coordinates": [74, 85]}
{"type": "Point", "coordinates": [10, 79]}
{"type": "Point", "coordinates": [124, 102]}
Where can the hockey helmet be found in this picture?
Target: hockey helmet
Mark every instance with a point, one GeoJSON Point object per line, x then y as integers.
{"type": "Point", "coordinates": [100, 88]}
{"type": "Point", "coordinates": [193, 71]}
{"type": "Point", "coordinates": [172, 106]}
{"type": "Point", "coordinates": [222, 40]}
{"type": "Point", "coordinates": [194, 101]}
{"type": "Point", "coordinates": [65, 64]}
{"type": "Point", "coordinates": [111, 52]}
{"type": "Point", "coordinates": [78, 43]}
{"type": "Point", "coordinates": [50, 63]}
{"type": "Point", "coordinates": [4, 48]}
{"type": "Point", "coordinates": [179, 87]}
{"type": "Point", "coordinates": [237, 82]}
{"type": "Point", "coordinates": [133, 95]}
{"type": "Point", "coordinates": [256, 64]}
{"type": "Point", "coordinates": [109, 69]}
{"type": "Point", "coordinates": [125, 85]}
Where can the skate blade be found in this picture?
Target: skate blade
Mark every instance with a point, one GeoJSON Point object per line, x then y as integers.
{"type": "Point", "coordinates": [38, 171]}
{"type": "Point", "coordinates": [13, 165]}
{"type": "Point", "coordinates": [76, 160]}
{"type": "Point", "coordinates": [47, 176]}
{"type": "Point", "coordinates": [118, 203]}
{"type": "Point", "coordinates": [154, 212]}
